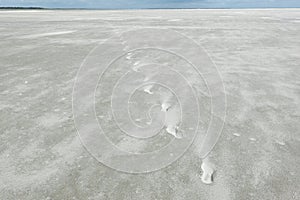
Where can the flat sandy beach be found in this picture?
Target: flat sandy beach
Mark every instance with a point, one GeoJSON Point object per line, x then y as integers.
{"type": "Point", "coordinates": [257, 155]}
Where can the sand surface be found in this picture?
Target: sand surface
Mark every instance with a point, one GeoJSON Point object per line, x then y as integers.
{"type": "Point", "coordinates": [256, 157]}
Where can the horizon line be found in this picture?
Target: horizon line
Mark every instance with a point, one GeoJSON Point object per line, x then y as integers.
{"type": "Point", "coordinates": [171, 8]}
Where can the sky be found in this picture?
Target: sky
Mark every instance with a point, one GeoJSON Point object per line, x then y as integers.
{"type": "Point", "coordinates": [135, 4]}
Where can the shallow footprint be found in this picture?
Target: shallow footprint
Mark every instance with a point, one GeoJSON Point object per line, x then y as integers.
{"type": "Point", "coordinates": [148, 88]}
{"type": "Point", "coordinates": [173, 130]}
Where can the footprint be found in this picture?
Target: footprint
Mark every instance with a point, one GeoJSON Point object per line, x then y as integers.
{"type": "Point", "coordinates": [165, 107]}
{"type": "Point", "coordinates": [172, 118]}
{"type": "Point", "coordinates": [148, 88]}
{"type": "Point", "coordinates": [129, 55]}
{"type": "Point", "coordinates": [172, 130]}
{"type": "Point", "coordinates": [208, 171]}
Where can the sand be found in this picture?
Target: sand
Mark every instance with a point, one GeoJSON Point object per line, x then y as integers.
{"type": "Point", "coordinates": [257, 154]}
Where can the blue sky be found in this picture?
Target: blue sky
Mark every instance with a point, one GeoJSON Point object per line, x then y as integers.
{"type": "Point", "coordinates": [127, 4]}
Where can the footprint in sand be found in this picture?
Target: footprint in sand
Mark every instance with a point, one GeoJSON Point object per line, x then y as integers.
{"type": "Point", "coordinates": [208, 172]}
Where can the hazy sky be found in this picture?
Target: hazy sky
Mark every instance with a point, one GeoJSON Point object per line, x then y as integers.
{"type": "Point", "coordinates": [154, 3]}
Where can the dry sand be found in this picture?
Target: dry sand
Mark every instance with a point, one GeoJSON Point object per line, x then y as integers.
{"type": "Point", "coordinates": [257, 156]}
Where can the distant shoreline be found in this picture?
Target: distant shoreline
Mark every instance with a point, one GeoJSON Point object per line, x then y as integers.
{"type": "Point", "coordinates": [225, 8]}
{"type": "Point", "coordinates": [22, 8]}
